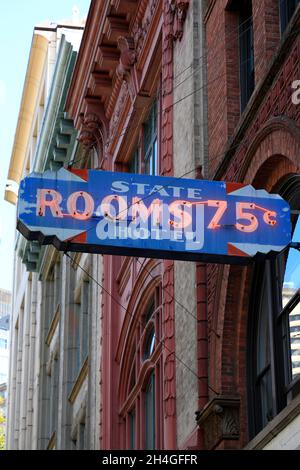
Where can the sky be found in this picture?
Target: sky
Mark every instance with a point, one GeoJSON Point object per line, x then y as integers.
{"type": "Point", "coordinates": [17, 20]}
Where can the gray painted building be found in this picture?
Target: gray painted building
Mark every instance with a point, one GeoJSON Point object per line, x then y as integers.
{"type": "Point", "coordinates": [54, 365]}
{"type": "Point", "coordinates": [190, 157]}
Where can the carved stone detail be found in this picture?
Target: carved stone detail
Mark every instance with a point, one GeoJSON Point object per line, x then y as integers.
{"type": "Point", "coordinates": [168, 276]}
{"type": "Point", "coordinates": [220, 420]}
{"type": "Point", "coordinates": [125, 70]}
{"type": "Point", "coordinates": [94, 127]}
{"type": "Point", "coordinates": [127, 58]}
{"type": "Point", "coordinates": [90, 130]}
{"type": "Point", "coordinates": [167, 91]}
{"type": "Point", "coordinates": [113, 124]}
{"type": "Point", "coordinates": [169, 341]}
{"type": "Point", "coordinates": [140, 28]}
{"type": "Point", "coordinates": [177, 10]}
{"type": "Point", "coordinates": [181, 7]}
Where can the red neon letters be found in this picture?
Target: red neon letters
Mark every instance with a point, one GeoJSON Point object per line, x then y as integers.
{"type": "Point", "coordinates": [52, 203]}
{"type": "Point", "coordinates": [179, 209]}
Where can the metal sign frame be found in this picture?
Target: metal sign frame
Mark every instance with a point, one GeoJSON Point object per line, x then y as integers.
{"type": "Point", "coordinates": [152, 216]}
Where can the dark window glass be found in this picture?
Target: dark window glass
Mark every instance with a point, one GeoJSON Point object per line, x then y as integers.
{"type": "Point", "coordinates": [287, 8]}
{"type": "Point", "coordinates": [134, 164]}
{"type": "Point", "coordinates": [145, 156]}
{"type": "Point", "coordinates": [247, 78]}
{"type": "Point", "coordinates": [81, 323]}
{"type": "Point", "coordinates": [150, 414]}
{"type": "Point", "coordinates": [150, 142]}
{"type": "Point", "coordinates": [132, 429]}
{"type": "Point", "coordinates": [149, 343]}
{"type": "Point", "coordinates": [150, 311]}
{"type": "Point", "coordinates": [132, 379]}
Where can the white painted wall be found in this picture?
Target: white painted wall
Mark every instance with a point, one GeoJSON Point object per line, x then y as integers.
{"type": "Point", "coordinates": [288, 438]}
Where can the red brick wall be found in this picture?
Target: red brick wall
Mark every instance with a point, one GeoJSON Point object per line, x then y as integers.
{"type": "Point", "coordinates": [266, 34]}
{"type": "Point", "coordinates": [222, 78]}
{"type": "Point", "coordinates": [265, 150]}
{"type": "Point", "coordinates": [223, 66]}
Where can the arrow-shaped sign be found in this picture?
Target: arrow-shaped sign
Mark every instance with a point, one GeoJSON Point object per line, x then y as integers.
{"type": "Point", "coordinates": [152, 216]}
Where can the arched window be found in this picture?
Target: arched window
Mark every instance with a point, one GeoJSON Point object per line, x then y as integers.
{"type": "Point", "coordinates": [274, 327]}
{"type": "Point", "coordinates": [142, 407]}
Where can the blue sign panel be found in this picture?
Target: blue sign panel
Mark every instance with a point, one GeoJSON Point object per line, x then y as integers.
{"type": "Point", "coordinates": [152, 216]}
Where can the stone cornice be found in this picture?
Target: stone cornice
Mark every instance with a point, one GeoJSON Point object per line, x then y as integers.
{"type": "Point", "coordinates": [91, 37]}
{"type": "Point", "coordinates": [31, 93]}
{"type": "Point", "coordinates": [119, 39]}
{"type": "Point", "coordinates": [46, 148]}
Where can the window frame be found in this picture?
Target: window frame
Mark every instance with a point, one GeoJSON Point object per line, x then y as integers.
{"type": "Point", "coordinates": [246, 55]}
{"type": "Point", "coordinates": [141, 155]}
{"type": "Point", "coordinates": [284, 387]}
{"type": "Point", "coordinates": [286, 11]}
{"type": "Point", "coordinates": [145, 368]}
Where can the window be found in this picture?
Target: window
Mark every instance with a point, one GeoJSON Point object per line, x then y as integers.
{"type": "Point", "coordinates": [150, 413]}
{"type": "Point", "coordinates": [134, 165]}
{"type": "Point", "coordinates": [149, 342]}
{"type": "Point", "coordinates": [143, 402]}
{"type": "Point", "coordinates": [132, 438]}
{"type": "Point", "coordinates": [3, 343]}
{"type": "Point", "coordinates": [145, 156]}
{"type": "Point", "coordinates": [57, 284]}
{"type": "Point", "coordinates": [82, 308]}
{"type": "Point", "coordinates": [287, 8]}
{"type": "Point", "coordinates": [150, 142]}
{"type": "Point", "coordinates": [274, 330]}
{"type": "Point", "coordinates": [247, 79]}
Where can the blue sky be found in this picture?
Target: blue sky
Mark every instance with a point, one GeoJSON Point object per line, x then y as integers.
{"type": "Point", "coordinates": [17, 20]}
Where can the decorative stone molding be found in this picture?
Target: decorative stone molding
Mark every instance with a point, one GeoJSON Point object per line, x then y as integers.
{"type": "Point", "coordinates": [125, 70]}
{"type": "Point", "coordinates": [220, 420]}
{"type": "Point", "coordinates": [93, 133]}
{"type": "Point", "coordinates": [175, 15]}
{"type": "Point", "coordinates": [169, 335]}
{"type": "Point", "coordinates": [180, 7]}
{"type": "Point", "coordinates": [177, 10]}
{"type": "Point", "coordinates": [127, 58]}
{"type": "Point", "coordinates": [141, 27]}
{"type": "Point", "coordinates": [90, 129]}
{"type": "Point", "coordinates": [113, 124]}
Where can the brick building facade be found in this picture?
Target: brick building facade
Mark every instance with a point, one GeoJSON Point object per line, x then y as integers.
{"type": "Point", "coordinates": [254, 138]}
{"type": "Point", "coordinates": [136, 61]}
{"type": "Point", "coordinates": [183, 355]}
{"type": "Point", "coordinates": [204, 90]}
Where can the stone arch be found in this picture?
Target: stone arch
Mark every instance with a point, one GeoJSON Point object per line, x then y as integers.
{"type": "Point", "coordinates": [275, 149]}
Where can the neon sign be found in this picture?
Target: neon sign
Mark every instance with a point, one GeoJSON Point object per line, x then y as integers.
{"type": "Point", "coordinates": [152, 216]}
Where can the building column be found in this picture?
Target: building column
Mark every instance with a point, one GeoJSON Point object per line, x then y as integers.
{"type": "Point", "coordinates": [95, 328]}
{"type": "Point", "coordinates": [17, 423]}
{"type": "Point", "coordinates": [25, 366]}
{"type": "Point", "coordinates": [43, 389]}
{"type": "Point", "coordinates": [31, 363]}
{"type": "Point", "coordinates": [12, 386]}
{"type": "Point", "coordinates": [67, 355]}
